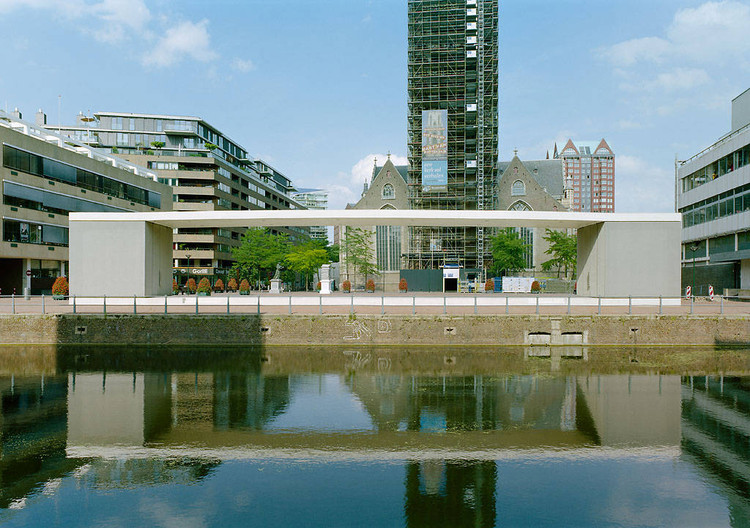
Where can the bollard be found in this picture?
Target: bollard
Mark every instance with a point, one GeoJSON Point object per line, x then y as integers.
{"type": "Point", "coordinates": [630, 305]}
{"type": "Point", "coordinates": [475, 305]}
{"type": "Point", "coordinates": [537, 305]}
{"type": "Point", "coordinates": [135, 310]}
{"type": "Point", "coordinates": [568, 304]}
{"type": "Point", "coordinates": [413, 304]}
{"type": "Point", "coordinates": [691, 303]}
{"type": "Point", "coordinates": [660, 300]}
{"type": "Point", "coordinates": [382, 305]}
{"type": "Point", "coordinates": [227, 304]}
{"type": "Point", "coordinates": [320, 305]}
{"type": "Point", "coordinates": [259, 304]}
{"type": "Point", "coordinates": [74, 304]}
{"type": "Point", "coordinates": [290, 304]}
{"type": "Point", "coordinates": [721, 298]}
{"type": "Point", "coordinates": [196, 303]}
{"type": "Point", "coordinates": [104, 304]}
{"type": "Point", "coordinates": [351, 306]}
{"type": "Point", "coordinates": [165, 304]}
{"type": "Point", "coordinates": [599, 306]}
{"type": "Point", "coordinates": [13, 303]}
{"type": "Point", "coordinates": [445, 307]}
{"type": "Point", "coordinates": [506, 305]}
{"type": "Point", "coordinates": [42, 303]}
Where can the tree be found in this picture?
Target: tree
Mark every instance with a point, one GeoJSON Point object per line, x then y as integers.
{"type": "Point", "coordinates": [358, 251]}
{"type": "Point", "coordinates": [306, 259]}
{"type": "Point", "coordinates": [157, 145]}
{"type": "Point", "coordinates": [564, 250]}
{"type": "Point", "coordinates": [508, 252]}
{"type": "Point", "coordinates": [259, 251]}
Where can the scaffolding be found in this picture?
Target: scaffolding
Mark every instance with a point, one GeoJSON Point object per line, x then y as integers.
{"type": "Point", "coordinates": [453, 66]}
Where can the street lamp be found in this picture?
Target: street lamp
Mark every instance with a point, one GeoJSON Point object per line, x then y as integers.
{"type": "Point", "coordinates": [188, 277]}
{"type": "Point", "coordinates": [693, 249]}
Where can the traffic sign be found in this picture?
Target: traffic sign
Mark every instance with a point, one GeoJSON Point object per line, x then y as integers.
{"type": "Point", "coordinates": [710, 292]}
{"type": "Point", "coordinates": [28, 273]}
{"type": "Point", "coordinates": [688, 292]}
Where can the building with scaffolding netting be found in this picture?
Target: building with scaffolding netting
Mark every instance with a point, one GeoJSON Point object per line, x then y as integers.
{"type": "Point", "coordinates": [452, 126]}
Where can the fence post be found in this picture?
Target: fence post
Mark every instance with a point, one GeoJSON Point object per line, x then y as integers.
{"type": "Point", "coordinates": [691, 303]}
{"type": "Point", "coordinates": [382, 304]}
{"type": "Point", "coordinates": [104, 304]}
{"type": "Point", "coordinates": [660, 301]}
{"type": "Point", "coordinates": [258, 303]}
{"type": "Point", "coordinates": [413, 304]}
{"type": "Point", "coordinates": [165, 304]}
{"type": "Point", "coordinates": [135, 310]}
{"type": "Point", "coordinates": [227, 303]}
{"type": "Point", "coordinates": [599, 306]}
{"type": "Point", "coordinates": [568, 304]}
{"type": "Point", "coordinates": [351, 306]}
{"type": "Point", "coordinates": [320, 305]}
{"type": "Point", "coordinates": [475, 304]}
{"type": "Point", "coordinates": [42, 303]}
{"type": "Point", "coordinates": [290, 304]}
{"type": "Point", "coordinates": [13, 303]}
{"type": "Point", "coordinates": [506, 304]}
{"type": "Point", "coordinates": [630, 304]}
{"type": "Point", "coordinates": [722, 304]}
{"type": "Point", "coordinates": [445, 305]}
{"type": "Point", "coordinates": [537, 304]}
{"type": "Point", "coordinates": [74, 304]}
{"type": "Point", "coordinates": [196, 303]}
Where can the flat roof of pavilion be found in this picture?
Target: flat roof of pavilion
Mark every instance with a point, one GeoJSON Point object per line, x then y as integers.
{"type": "Point", "coordinates": [371, 217]}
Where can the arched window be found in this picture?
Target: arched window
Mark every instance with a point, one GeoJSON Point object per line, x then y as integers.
{"type": "Point", "coordinates": [388, 192]}
{"type": "Point", "coordinates": [525, 233]}
{"type": "Point", "coordinates": [518, 188]}
{"type": "Point", "coordinates": [519, 206]}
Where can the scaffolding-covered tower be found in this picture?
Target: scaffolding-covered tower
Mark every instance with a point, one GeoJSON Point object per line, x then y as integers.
{"type": "Point", "coordinates": [453, 67]}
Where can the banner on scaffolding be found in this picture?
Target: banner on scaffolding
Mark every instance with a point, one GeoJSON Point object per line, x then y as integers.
{"type": "Point", "coordinates": [434, 150]}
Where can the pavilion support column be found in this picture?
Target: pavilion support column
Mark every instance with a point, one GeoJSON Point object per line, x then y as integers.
{"type": "Point", "coordinates": [618, 259]}
{"type": "Point", "coordinates": [120, 258]}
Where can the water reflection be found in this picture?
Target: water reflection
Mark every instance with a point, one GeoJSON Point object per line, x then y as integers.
{"type": "Point", "coordinates": [442, 447]}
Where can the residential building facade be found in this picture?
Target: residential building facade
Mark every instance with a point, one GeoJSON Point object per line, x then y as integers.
{"type": "Point", "coordinates": [207, 170]}
{"type": "Point", "coordinates": [713, 195]}
{"type": "Point", "coordinates": [314, 199]}
{"type": "Point", "coordinates": [589, 175]}
{"type": "Point", "coordinates": [452, 125]}
{"type": "Point", "coordinates": [45, 176]}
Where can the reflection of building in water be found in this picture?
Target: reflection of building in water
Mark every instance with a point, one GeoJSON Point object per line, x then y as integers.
{"type": "Point", "coordinates": [248, 400]}
{"type": "Point", "coordinates": [716, 436]}
{"type": "Point", "coordinates": [445, 493]}
{"type": "Point", "coordinates": [33, 423]}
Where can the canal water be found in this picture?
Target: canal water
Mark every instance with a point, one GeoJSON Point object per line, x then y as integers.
{"type": "Point", "coordinates": [371, 437]}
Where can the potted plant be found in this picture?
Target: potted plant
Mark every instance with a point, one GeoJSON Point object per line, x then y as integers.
{"type": "Point", "coordinates": [536, 287]}
{"type": "Point", "coordinates": [219, 285]}
{"type": "Point", "coordinates": [489, 286]}
{"type": "Point", "coordinates": [232, 285]}
{"type": "Point", "coordinates": [244, 287]}
{"type": "Point", "coordinates": [60, 288]}
{"type": "Point", "coordinates": [370, 286]}
{"type": "Point", "coordinates": [191, 286]}
{"type": "Point", "coordinates": [204, 287]}
{"type": "Point", "coordinates": [175, 287]}
{"type": "Point", "coordinates": [402, 286]}
{"type": "Point", "coordinates": [318, 286]}
{"type": "Point", "coordinates": [346, 286]}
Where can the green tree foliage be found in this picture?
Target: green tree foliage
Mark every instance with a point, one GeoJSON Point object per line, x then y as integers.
{"type": "Point", "coordinates": [359, 253]}
{"type": "Point", "coordinates": [259, 252]}
{"type": "Point", "coordinates": [564, 250]}
{"type": "Point", "coordinates": [508, 252]}
{"type": "Point", "coordinates": [306, 259]}
{"type": "Point", "coordinates": [333, 252]}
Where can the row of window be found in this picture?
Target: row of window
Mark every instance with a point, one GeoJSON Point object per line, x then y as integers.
{"type": "Point", "coordinates": [21, 160]}
{"type": "Point", "coordinates": [735, 160]}
{"type": "Point", "coordinates": [31, 233]}
{"type": "Point", "coordinates": [18, 195]}
{"type": "Point", "coordinates": [722, 244]}
{"type": "Point", "coordinates": [725, 204]}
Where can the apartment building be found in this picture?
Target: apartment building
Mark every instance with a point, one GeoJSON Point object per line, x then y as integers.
{"type": "Point", "coordinates": [589, 175]}
{"type": "Point", "coordinates": [207, 170]}
{"type": "Point", "coordinates": [44, 177]}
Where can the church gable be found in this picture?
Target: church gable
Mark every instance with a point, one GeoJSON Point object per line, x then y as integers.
{"type": "Point", "coordinates": [518, 186]}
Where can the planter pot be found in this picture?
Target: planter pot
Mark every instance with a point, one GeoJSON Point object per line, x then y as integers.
{"type": "Point", "coordinates": [59, 297]}
{"type": "Point", "coordinates": [203, 294]}
{"type": "Point", "coordinates": [244, 293]}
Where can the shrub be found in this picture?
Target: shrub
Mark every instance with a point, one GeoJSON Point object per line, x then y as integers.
{"type": "Point", "coordinates": [219, 285]}
{"type": "Point", "coordinates": [244, 286]}
{"type": "Point", "coordinates": [346, 286]}
{"type": "Point", "coordinates": [60, 287]}
{"type": "Point", "coordinates": [489, 285]}
{"type": "Point", "coordinates": [370, 287]}
{"type": "Point", "coordinates": [536, 287]}
{"type": "Point", "coordinates": [402, 286]}
{"type": "Point", "coordinates": [191, 285]}
{"type": "Point", "coordinates": [318, 286]}
{"type": "Point", "coordinates": [232, 284]}
{"type": "Point", "coordinates": [204, 286]}
{"type": "Point", "coordinates": [175, 286]}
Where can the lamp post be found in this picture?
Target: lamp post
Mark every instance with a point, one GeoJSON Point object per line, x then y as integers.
{"type": "Point", "coordinates": [188, 270]}
{"type": "Point", "coordinates": [693, 249]}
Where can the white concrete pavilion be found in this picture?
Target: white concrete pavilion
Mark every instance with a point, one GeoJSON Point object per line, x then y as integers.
{"type": "Point", "coordinates": [619, 254]}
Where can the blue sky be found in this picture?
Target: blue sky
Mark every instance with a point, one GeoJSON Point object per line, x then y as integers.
{"type": "Point", "coordinates": [318, 87]}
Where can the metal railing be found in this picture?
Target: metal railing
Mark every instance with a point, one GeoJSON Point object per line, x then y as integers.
{"type": "Point", "coordinates": [375, 303]}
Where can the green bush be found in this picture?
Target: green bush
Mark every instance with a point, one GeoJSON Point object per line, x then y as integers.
{"type": "Point", "coordinates": [346, 286]}
{"type": "Point", "coordinates": [204, 286]}
{"type": "Point", "coordinates": [191, 286]}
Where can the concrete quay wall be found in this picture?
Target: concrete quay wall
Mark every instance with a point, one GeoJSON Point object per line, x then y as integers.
{"type": "Point", "coordinates": [341, 330]}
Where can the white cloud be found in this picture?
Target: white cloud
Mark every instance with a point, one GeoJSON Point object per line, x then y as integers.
{"type": "Point", "coordinates": [362, 170]}
{"type": "Point", "coordinates": [632, 51]}
{"type": "Point", "coordinates": [242, 65]}
{"type": "Point", "coordinates": [186, 40]}
{"type": "Point", "coordinates": [348, 188]}
{"type": "Point", "coordinates": [642, 187]}
{"type": "Point", "coordinates": [121, 18]}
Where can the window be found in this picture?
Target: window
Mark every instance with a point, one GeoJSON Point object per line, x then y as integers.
{"type": "Point", "coordinates": [388, 192]}
{"type": "Point", "coordinates": [116, 123]}
{"type": "Point", "coordinates": [518, 188]}
{"type": "Point", "coordinates": [131, 124]}
{"type": "Point", "coordinates": [123, 139]}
